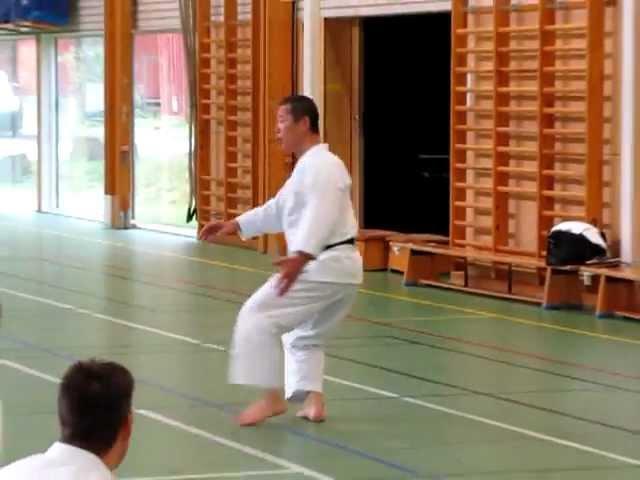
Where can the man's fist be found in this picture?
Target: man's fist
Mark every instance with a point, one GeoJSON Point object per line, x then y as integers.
{"type": "Point", "coordinates": [290, 269]}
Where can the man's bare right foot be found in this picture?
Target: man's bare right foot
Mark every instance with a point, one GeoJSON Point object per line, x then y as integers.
{"type": "Point", "coordinates": [258, 412]}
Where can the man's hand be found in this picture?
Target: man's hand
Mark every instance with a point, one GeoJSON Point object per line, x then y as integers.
{"type": "Point", "coordinates": [290, 270]}
{"type": "Point", "coordinates": [218, 229]}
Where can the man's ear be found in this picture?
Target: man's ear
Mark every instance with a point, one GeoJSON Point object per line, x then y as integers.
{"type": "Point", "coordinates": [127, 427]}
{"type": "Point", "coordinates": [306, 123]}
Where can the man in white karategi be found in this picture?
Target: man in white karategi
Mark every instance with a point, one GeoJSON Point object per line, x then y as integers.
{"type": "Point", "coordinates": [318, 280]}
{"type": "Point", "coordinates": [96, 418]}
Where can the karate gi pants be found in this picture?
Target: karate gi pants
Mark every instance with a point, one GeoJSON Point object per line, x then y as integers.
{"type": "Point", "coordinates": [279, 341]}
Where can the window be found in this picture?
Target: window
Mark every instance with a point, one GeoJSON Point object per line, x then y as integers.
{"type": "Point", "coordinates": [18, 124]}
{"type": "Point", "coordinates": [161, 98]}
{"type": "Point", "coordinates": [80, 126]}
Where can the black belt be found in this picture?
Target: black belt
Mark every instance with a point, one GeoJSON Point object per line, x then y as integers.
{"type": "Point", "coordinates": [349, 241]}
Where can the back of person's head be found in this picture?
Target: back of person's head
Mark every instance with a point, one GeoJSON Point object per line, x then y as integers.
{"type": "Point", "coordinates": [301, 106]}
{"type": "Point", "coordinates": [95, 407]}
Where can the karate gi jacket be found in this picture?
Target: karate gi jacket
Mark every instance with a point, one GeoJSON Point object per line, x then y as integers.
{"type": "Point", "coordinates": [314, 210]}
{"type": "Point", "coordinates": [60, 462]}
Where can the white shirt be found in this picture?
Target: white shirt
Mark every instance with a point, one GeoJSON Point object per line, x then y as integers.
{"type": "Point", "coordinates": [314, 210]}
{"type": "Point", "coordinates": [60, 462]}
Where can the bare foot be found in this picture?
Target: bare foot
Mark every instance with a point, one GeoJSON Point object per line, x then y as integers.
{"type": "Point", "coordinates": [314, 409]}
{"type": "Point", "coordinates": [258, 412]}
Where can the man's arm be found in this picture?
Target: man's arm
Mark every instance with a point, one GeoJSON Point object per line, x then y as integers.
{"type": "Point", "coordinates": [263, 219]}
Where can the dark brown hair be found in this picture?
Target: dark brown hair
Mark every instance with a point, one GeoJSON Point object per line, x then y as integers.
{"type": "Point", "coordinates": [94, 403]}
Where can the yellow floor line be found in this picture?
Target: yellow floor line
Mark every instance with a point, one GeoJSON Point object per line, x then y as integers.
{"type": "Point", "coordinates": [501, 317]}
{"type": "Point", "coordinates": [430, 318]}
{"type": "Point", "coordinates": [390, 296]}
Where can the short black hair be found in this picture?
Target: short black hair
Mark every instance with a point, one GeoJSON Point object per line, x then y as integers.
{"type": "Point", "coordinates": [94, 402]}
{"type": "Point", "coordinates": [302, 106]}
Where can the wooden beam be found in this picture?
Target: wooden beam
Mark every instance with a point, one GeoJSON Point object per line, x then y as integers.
{"type": "Point", "coordinates": [204, 107]}
{"type": "Point", "coordinates": [118, 26]}
{"type": "Point", "coordinates": [257, 87]}
{"type": "Point", "coordinates": [342, 95]}
{"type": "Point", "coordinates": [357, 140]}
{"type": "Point", "coordinates": [546, 100]}
{"type": "Point", "coordinates": [231, 154]}
{"type": "Point", "coordinates": [595, 110]}
{"type": "Point", "coordinates": [457, 157]}
{"type": "Point", "coordinates": [502, 120]}
{"type": "Point", "coordinates": [275, 68]}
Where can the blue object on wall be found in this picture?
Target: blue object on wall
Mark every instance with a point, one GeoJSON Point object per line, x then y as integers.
{"type": "Point", "coordinates": [53, 12]}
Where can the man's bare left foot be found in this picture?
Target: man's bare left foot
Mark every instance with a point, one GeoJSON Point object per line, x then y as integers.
{"type": "Point", "coordinates": [314, 409]}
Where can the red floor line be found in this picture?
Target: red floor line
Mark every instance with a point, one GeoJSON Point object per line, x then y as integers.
{"type": "Point", "coordinates": [473, 343]}
{"type": "Point", "coordinates": [498, 348]}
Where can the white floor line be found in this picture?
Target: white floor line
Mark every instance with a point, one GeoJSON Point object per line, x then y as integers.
{"type": "Point", "coordinates": [207, 476]}
{"type": "Point", "coordinates": [487, 421]}
{"type": "Point", "coordinates": [281, 462]}
{"type": "Point", "coordinates": [111, 319]}
{"type": "Point", "coordinates": [366, 388]}
{"type": "Point", "coordinates": [29, 371]}
{"type": "Point", "coordinates": [231, 444]}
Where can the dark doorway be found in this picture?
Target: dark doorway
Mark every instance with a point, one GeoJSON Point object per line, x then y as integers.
{"type": "Point", "coordinates": [406, 117]}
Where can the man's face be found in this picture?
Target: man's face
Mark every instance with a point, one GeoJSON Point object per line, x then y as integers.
{"type": "Point", "coordinates": [290, 133]}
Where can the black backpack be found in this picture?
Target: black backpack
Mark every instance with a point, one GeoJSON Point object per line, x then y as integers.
{"type": "Point", "coordinates": [565, 248]}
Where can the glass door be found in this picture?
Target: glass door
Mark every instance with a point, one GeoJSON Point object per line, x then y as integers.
{"type": "Point", "coordinates": [80, 126]}
{"type": "Point", "coordinates": [18, 124]}
{"type": "Point", "coordinates": [161, 183]}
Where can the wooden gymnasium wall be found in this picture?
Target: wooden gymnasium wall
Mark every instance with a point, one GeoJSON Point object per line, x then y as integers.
{"type": "Point", "coordinates": [227, 160]}
{"type": "Point", "coordinates": [522, 193]}
{"type": "Point", "coordinates": [612, 104]}
{"type": "Point", "coordinates": [244, 69]}
{"type": "Point", "coordinates": [522, 207]}
{"type": "Point", "coordinates": [526, 221]}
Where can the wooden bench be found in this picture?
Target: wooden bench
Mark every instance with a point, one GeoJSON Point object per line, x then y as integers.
{"type": "Point", "coordinates": [563, 288]}
{"type": "Point", "coordinates": [374, 248]}
{"type": "Point", "coordinates": [618, 291]}
{"type": "Point", "coordinates": [428, 264]}
{"type": "Point", "coordinates": [399, 250]}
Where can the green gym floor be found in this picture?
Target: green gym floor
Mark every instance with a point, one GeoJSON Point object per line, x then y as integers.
{"type": "Point", "coordinates": [421, 383]}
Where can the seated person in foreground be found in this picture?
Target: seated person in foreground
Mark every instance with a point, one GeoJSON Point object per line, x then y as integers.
{"type": "Point", "coordinates": [95, 414]}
